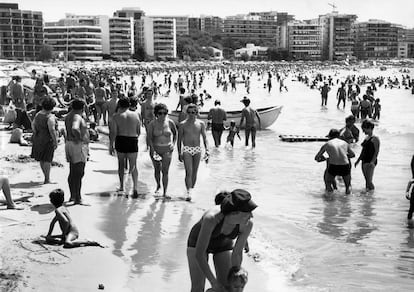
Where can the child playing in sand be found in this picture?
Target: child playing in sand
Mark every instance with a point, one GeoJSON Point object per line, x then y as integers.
{"type": "Point", "coordinates": [410, 195]}
{"type": "Point", "coordinates": [69, 231]}
{"type": "Point", "coordinates": [233, 130]}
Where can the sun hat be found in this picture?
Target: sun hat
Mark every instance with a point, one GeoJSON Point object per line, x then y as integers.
{"type": "Point", "coordinates": [238, 200]}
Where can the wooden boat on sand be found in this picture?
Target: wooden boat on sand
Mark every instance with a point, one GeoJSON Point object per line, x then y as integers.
{"type": "Point", "coordinates": [268, 115]}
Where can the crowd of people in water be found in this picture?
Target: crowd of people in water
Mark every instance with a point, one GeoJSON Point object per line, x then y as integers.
{"type": "Point", "coordinates": [125, 100]}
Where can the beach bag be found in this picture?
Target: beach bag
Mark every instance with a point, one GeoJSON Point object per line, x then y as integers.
{"type": "Point", "coordinates": [10, 115]}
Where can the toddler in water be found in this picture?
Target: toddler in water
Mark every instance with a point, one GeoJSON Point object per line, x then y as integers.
{"type": "Point", "coordinates": [410, 196]}
{"type": "Point", "coordinates": [69, 231]}
{"type": "Point", "coordinates": [233, 130]}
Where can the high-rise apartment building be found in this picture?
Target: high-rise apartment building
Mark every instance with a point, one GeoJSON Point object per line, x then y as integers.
{"type": "Point", "coordinates": [304, 40]}
{"type": "Point", "coordinates": [77, 36]}
{"type": "Point", "coordinates": [211, 24]}
{"type": "Point", "coordinates": [21, 33]}
{"type": "Point", "coordinates": [376, 39]}
{"type": "Point", "coordinates": [337, 36]}
{"type": "Point", "coordinates": [121, 37]}
{"type": "Point", "coordinates": [136, 14]}
{"type": "Point", "coordinates": [159, 37]}
{"type": "Point", "coordinates": [282, 20]}
{"type": "Point", "coordinates": [194, 25]}
{"type": "Point", "coordinates": [181, 23]}
{"type": "Point", "coordinates": [251, 28]}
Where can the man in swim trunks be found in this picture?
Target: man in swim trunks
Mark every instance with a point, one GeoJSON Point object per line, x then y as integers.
{"type": "Point", "coordinates": [76, 148]}
{"type": "Point", "coordinates": [249, 114]}
{"type": "Point", "coordinates": [188, 145]}
{"type": "Point", "coordinates": [126, 128]}
{"type": "Point", "coordinates": [339, 152]}
{"type": "Point", "coordinates": [217, 115]}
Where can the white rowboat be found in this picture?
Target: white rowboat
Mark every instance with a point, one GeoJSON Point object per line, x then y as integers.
{"type": "Point", "coordinates": [268, 116]}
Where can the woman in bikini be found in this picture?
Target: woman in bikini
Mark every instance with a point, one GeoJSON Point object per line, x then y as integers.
{"type": "Point", "coordinates": [369, 153]}
{"type": "Point", "coordinates": [222, 231]}
{"type": "Point", "coordinates": [162, 135]}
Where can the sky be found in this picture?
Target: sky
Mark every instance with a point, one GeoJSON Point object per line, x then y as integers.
{"type": "Point", "coordinates": [395, 11]}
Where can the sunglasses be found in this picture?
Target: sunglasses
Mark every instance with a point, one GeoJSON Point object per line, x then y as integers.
{"type": "Point", "coordinates": [162, 113]}
{"type": "Point", "coordinates": [192, 112]}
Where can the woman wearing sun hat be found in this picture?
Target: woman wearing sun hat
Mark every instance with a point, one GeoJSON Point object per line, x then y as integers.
{"type": "Point", "coordinates": [223, 232]}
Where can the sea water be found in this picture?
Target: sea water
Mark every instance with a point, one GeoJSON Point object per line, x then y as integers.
{"type": "Point", "coordinates": [303, 239]}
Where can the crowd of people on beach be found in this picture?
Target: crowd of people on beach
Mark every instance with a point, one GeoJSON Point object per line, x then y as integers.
{"type": "Point", "coordinates": [90, 100]}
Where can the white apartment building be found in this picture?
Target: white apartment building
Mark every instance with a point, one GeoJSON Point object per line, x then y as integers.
{"type": "Point", "coordinates": [181, 23]}
{"type": "Point", "coordinates": [83, 42]}
{"type": "Point", "coordinates": [121, 37]}
{"type": "Point", "coordinates": [305, 40]}
{"type": "Point", "coordinates": [159, 37]}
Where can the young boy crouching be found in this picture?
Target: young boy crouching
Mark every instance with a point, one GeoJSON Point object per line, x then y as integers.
{"type": "Point", "coordinates": [69, 231]}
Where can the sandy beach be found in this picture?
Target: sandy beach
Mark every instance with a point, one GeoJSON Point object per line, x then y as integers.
{"type": "Point", "coordinates": [143, 240]}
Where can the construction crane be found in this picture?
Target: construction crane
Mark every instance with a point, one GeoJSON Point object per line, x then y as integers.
{"type": "Point", "coordinates": [333, 7]}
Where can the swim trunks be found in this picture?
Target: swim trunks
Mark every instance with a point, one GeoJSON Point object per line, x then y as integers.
{"type": "Point", "coordinates": [339, 170]}
{"type": "Point", "coordinates": [192, 150]}
{"type": "Point", "coordinates": [125, 144]}
{"type": "Point", "coordinates": [76, 152]}
{"type": "Point", "coordinates": [217, 127]}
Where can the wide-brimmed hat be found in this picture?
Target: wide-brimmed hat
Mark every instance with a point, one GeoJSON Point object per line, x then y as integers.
{"type": "Point", "coordinates": [238, 200]}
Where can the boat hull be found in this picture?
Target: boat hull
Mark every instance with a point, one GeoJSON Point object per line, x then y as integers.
{"type": "Point", "coordinates": [267, 116]}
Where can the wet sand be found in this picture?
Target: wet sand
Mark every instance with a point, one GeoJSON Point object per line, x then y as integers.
{"type": "Point", "coordinates": [143, 240]}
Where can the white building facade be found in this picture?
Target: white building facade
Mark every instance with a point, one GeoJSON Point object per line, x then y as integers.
{"type": "Point", "coordinates": [305, 40]}
{"type": "Point", "coordinates": [121, 37]}
{"type": "Point", "coordinates": [82, 42]}
{"type": "Point", "coordinates": [159, 37]}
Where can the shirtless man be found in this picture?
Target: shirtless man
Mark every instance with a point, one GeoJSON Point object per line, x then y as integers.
{"type": "Point", "coordinates": [76, 148]}
{"type": "Point", "coordinates": [188, 145]}
{"type": "Point", "coordinates": [147, 111]}
{"type": "Point", "coordinates": [339, 154]}
{"type": "Point", "coordinates": [112, 106]}
{"type": "Point", "coordinates": [126, 128]}
{"type": "Point", "coordinates": [249, 114]}
{"type": "Point", "coordinates": [217, 115]}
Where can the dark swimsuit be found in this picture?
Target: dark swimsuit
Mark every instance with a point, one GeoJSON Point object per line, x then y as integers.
{"type": "Point", "coordinates": [219, 242]}
{"type": "Point", "coordinates": [340, 170]}
{"type": "Point", "coordinates": [125, 144]}
{"type": "Point", "coordinates": [368, 151]}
